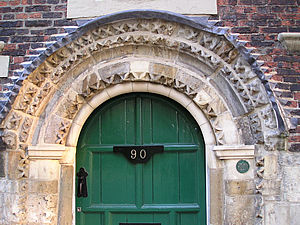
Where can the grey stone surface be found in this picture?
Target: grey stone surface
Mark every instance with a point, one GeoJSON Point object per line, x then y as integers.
{"type": "Point", "coordinates": [229, 95]}
{"type": "Point", "coordinates": [2, 164]}
{"type": "Point", "coordinates": [240, 210]}
{"type": "Point", "coordinates": [216, 201]}
{"type": "Point", "coordinates": [65, 203]}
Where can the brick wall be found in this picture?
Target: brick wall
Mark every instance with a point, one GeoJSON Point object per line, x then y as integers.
{"type": "Point", "coordinates": [258, 23]}
{"type": "Point", "coordinates": [29, 26]}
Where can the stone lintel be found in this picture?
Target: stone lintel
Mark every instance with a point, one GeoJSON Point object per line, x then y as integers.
{"type": "Point", "coordinates": [291, 41]}
{"type": "Point", "coordinates": [234, 151]}
{"type": "Point", "coordinates": [46, 151]}
{"type": "Point", "coordinates": [4, 63]}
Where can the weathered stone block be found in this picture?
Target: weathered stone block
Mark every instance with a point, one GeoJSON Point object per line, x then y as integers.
{"type": "Point", "coordinates": [139, 66]}
{"type": "Point", "coordinates": [239, 187]}
{"type": "Point", "coordinates": [271, 187]}
{"type": "Point", "coordinates": [107, 72]}
{"type": "Point", "coordinates": [276, 214]}
{"type": "Point", "coordinates": [47, 170]}
{"type": "Point", "coordinates": [194, 82]}
{"type": "Point", "coordinates": [163, 52]}
{"type": "Point", "coordinates": [8, 186]}
{"type": "Point", "coordinates": [66, 196]}
{"type": "Point", "coordinates": [231, 172]}
{"type": "Point", "coordinates": [43, 187]}
{"type": "Point", "coordinates": [163, 70]}
{"type": "Point", "coordinates": [229, 95]}
{"type": "Point", "coordinates": [226, 130]}
{"type": "Point", "coordinates": [57, 129]}
{"type": "Point", "coordinates": [121, 51]}
{"type": "Point", "coordinates": [216, 196]}
{"type": "Point", "coordinates": [240, 210]}
{"type": "Point", "coordinates": [82, 66]}
{"type": "Point", "coordinates": [41, 209]}
{"type": "Point", "coordinates": [291, 184]}
{"type": "Point", "coordinates": [103, 55]}
{"type": "Point", "coordinates": [244, 128]}
{"type": "Point", "coordinates": [14, 159]}
{"type": "Point", "coordinates": [194, 64]}
{"type": "Point", "coordinates": [270, 166]}
{"type": "Point", "coordinates": [295, 214]}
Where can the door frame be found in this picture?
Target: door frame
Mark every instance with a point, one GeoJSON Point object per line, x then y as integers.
{"type": "Point", "coordinates": [156, 96]}
{"type": "Point", "coordinates": [211, 162]}
{"type": "Point", "coordinates": [216, 155]}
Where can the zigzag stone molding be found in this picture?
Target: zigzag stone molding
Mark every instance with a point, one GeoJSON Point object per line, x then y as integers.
{"type": "Point", "coordinates": [217, 61]}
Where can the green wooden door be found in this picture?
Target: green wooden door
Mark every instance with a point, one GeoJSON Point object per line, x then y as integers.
{"type": "Point", "coordinates": [169, 189]}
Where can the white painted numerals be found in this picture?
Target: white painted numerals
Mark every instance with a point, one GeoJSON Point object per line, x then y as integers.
{"type": "Point", "coordinates": [142, 154]}
{"type": "Point", "coordinates": [133, 154]}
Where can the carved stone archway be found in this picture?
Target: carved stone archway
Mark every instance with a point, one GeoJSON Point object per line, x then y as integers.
{"type": "Point", "coordinates": [199, 66]}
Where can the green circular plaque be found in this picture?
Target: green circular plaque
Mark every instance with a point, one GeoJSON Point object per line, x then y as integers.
{"type": "Point", "coordinates": [242, 166]}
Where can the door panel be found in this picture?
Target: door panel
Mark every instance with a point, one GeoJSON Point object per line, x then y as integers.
{"type": "Point", "coordinates": [168, 189]}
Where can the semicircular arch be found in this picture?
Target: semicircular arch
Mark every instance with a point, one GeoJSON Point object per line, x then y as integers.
{"type": "Point", "coordinates": [195, 59]}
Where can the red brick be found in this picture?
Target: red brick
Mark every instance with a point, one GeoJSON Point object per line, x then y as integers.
{"type": "Point", "coordinates": [14, 2]}
{"type": "Point", "coordinates": [22, 16]}
{"type": "Point", "coordinates": [18, 59]}
{"type": "Point", "coordinates": [2, 3]}
{"type": "Point", "coordinates": [291, 104]}
{"type": "Point", "coordinates": [227, 2]}
{"type": "Point", "coordinates": [61, 8]}
{"type": "Point", "coordinates": [39, 1]}
{"type": "Point", "coordinates": [271, 37]}
{"type": "Point", "coordinates": [35, 15]}
{"type": "Point", "coordinates": [27, 2]}
{"type": "Point", "coordinates": [294, 138]}
{"type": "Point", "coordinates": [9, 47]}
{"type": "Point", "coordinates": [249, 9]}
{"type": "Point", "coordinates": [297, 95]}
{"type": "Point", "coordinates": [282, 2]}
{"type": "Point", "coordinates": [276, 78]}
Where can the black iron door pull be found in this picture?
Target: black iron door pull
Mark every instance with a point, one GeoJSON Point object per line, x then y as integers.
{"type": "Point", "coordinates": [81, 183]}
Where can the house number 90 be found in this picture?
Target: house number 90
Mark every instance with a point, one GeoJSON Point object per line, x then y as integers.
{"type": "Point", "coordinates": [142, 154]}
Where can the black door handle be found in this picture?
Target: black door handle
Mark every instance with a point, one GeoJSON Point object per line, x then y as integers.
{"type": "Point", "coordinates": [81, 183]}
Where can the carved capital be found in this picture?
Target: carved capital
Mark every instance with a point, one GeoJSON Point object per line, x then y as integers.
{"type": "Point", "coordinates": [234, 151]}
{"type": "Point", "coordinates": [46, 151]}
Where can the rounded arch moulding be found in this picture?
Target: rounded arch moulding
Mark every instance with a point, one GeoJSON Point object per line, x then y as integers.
{"type": "Point", "coordinates": [197, 64]}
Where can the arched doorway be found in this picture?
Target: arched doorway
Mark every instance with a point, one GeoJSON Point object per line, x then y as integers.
{"type": "Point", "coordinates": [193, 63]}
{"type": "Point", "coordinates": [166, 188]}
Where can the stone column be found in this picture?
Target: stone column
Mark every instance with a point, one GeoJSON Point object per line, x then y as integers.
{"type": "Point", "coordinates": [239, 186]}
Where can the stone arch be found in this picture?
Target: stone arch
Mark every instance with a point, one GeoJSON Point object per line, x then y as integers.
{"type": "Point", "coordinates": [195, 63]}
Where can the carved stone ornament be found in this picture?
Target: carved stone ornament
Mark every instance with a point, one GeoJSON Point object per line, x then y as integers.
{"type": "Point", "coordinates": [212, 50]}
{"type": "Point", "coordinates": [10, 139]}
{"type": "Point", "coordinates": [214, 53]}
